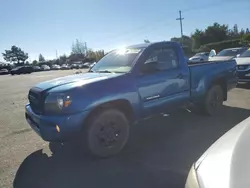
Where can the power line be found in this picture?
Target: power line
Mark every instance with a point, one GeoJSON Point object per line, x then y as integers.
{"type": "Point", "coordinates": [209, 5]}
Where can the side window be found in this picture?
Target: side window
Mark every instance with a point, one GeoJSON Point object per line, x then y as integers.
{"type": "Point", "coordinates": [162, 59]}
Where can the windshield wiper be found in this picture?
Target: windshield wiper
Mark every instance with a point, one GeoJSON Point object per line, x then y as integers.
{"type": "Point", "coordinates": [104, 71]}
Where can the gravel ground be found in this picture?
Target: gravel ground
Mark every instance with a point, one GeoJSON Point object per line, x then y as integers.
{"type": "Point", "coordinates": [159, 153]}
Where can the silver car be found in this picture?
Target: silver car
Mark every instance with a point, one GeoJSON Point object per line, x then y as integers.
{"type": "Point", "coordinates": [226, 164]}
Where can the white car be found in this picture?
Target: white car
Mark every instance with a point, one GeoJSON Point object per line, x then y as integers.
{"type": "Point", "coordinates": [228, 54]}
{"type": "Point", "coordinates": [226, 164]}
{"type": "Point", "coordinates": [243, 63]}
{"type": "Point", "coordinates": [55, 67]}
{"type": "Point", "coordinates": [45, 67]}
{"type": "Point", "coordinates": [202, 56]}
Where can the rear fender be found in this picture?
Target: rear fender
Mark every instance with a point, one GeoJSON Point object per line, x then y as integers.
{"type": "Point", "coordinates": [205, 84]}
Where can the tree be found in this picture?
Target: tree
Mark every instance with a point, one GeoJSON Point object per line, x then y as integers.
{"type": "Point", "coordinates": [79, 48]}
{"type": "Point", "coordinates": [235, 29]}
{"type": "Point", "coordinates": [34, 62]}
{"type": "Point", "coordinates": [62, 59]}
{"type": "Point", "coordinates": [213, 33]}
{"type": "Point", "coordinates": [247, 31]}
{"type": "Point", "coordinates": [187, 43]}
{"type": "Point", "coordinates": [15, 55]}
{"type": "Point", "coordinates": [242, 32]}
{"type": "Point", "coordinates": [41, 58]}
{"type": "Point", "coordinates": [146, 41]}
{"type": "Point", "coordinates": [95, 55]}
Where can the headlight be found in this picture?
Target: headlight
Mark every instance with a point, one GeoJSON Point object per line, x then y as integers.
{"type": "Point", "coordinates": [63, 101]}
{"type": "Point", "coordinates": [56, 102]}
{"type": "Point", "coordinates": [192, 181]}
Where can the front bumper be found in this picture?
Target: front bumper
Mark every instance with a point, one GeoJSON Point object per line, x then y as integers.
{"type": "Point", "coordinates": [45, 126]}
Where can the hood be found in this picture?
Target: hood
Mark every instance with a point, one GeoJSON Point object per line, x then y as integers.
{"type": "Point", "coordinates": [226, 162]}
{"type": "Point", "coordinates": [195, 57]}
{"type": "Point", "coordinates": [220, 58]}
{"type": "Point", "coordinates": [243, 60]}
{"type": "Point", "coordinates": [75, 80]}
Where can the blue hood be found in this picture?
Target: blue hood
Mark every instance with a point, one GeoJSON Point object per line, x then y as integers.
{"type": "Point", "coordinates": [75, 80]}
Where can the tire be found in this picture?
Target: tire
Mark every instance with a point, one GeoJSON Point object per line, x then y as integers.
{"type": "Point", "coordinates": [106, 133]}
{"type": "Point", "coordinates": [213, 101]}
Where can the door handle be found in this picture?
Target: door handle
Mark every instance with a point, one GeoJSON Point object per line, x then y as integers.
{"type": "Point", "coordinates": [180, 76]}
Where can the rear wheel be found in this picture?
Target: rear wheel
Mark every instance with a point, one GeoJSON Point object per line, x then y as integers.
{"type": "Point", "coordinates": [213, 101]}
{"type": "Point", "coordinates": [106, 133]}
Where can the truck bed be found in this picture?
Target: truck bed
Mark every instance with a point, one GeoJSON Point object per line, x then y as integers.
{"type": "Point", "coordinates": [201, 73]}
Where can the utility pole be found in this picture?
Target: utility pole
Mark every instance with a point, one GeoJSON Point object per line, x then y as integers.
{"type": "Point", "coordinates": [180, 18]}
{"type": "Point", "coordinates": [56, 55]}
{"type": "Point", "coordinates": [86, 48]}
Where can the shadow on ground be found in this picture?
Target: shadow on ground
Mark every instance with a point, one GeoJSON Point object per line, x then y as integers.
{"type": "Point", "coordinates": [244, 85]}
{"type": "Point", "coordinates": [159, 154]}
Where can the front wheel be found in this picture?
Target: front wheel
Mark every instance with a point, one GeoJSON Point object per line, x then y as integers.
{"type": "Point", "coordinates": [213, 101]}
{"type": "Point", "coordinates": [106, 133]}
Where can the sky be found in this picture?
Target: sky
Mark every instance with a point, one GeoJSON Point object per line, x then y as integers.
{"type": "Point", "coordinates": [50, 26]}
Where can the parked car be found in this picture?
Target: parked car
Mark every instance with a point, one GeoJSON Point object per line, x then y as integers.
{"type": "Point", "coordinates": [36, 68]}
{"type": "Point", "coordinates": [45, 68]}
{"type": "Point", "coordinates": [65, 67]}
{"type": "Point", "coordinates": [202, 56]}
{"type": "Point", "coordinates": [55, 67]}
{"type": "Point", "coordinates": [228, 54]}
{"type": "Point", "coordinates": [125, 86]}
{"type": "Point", "coordinates": [4, 71]}
{"type": "Point", "coordinates": [226, 163]}
{"type": "Point", "coordinates": [21, 70]}
{"type": "Point", "coordinates": [74, 66]}
{"type": "Point", "coordinates": [243, 62]}
{"type": "Point", "coordinates": [86, 65]}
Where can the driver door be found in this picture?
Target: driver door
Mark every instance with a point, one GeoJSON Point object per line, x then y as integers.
{"type": "Point", "coordinates": [161, 89]}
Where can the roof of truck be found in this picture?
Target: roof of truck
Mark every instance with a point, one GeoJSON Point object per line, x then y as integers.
{"type": "Point", "coordinates": [145, 45]}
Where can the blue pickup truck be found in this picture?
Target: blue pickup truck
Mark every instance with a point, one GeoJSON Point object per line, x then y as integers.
{"type": "Point", "coordinates": [125, 86]}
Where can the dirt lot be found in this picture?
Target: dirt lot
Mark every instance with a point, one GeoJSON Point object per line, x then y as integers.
{"type": "Point", "coordinates": [159, 153]}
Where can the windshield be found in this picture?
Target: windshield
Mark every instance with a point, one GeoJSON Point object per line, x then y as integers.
{"type": "Point", "coordinates": [117, 61]}
{"type": "Point", "coordinates": [230, 52]}
{"type": "Point", "coordinates": [246, 53]}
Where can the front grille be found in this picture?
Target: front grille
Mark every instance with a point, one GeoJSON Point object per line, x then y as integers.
{"type": "Point", "coordinates": [36, 100]}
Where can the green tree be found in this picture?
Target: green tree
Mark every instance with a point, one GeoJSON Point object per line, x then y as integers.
{"type": "Point", "coordinates": [213, 33]}
{"type": "Point", "coordinates": [34, 62]}
{"type": "Point", "coordinates": [146, 41]}
{"type": "Point", "coordinates": [15, 55]}
{"type": "Point", "coordinates": [242, 32]}
{"type": "Point", "coordinates": [41, 58]}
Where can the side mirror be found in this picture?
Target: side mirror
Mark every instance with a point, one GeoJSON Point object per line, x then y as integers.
{"type": "Point", "coordinates": [238, 55]}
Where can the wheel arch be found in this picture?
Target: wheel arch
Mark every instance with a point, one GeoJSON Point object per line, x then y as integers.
{"type": "Point", "coordinates": [122, 105]}
{"type": "Point", "coordinates": [223, 84]}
